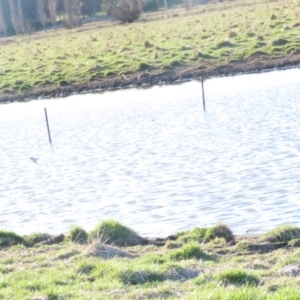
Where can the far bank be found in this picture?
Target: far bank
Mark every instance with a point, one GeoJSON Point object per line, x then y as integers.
{"type": "Point", "coordinates": [164, 47]}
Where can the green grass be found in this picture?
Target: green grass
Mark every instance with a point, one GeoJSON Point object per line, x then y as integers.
{"type": "Point", "coordinates": [228, 32]}
{"type": "Point", "coordinates": [192, 270]}
{"type": "Point", "coordinates": [237, 276]}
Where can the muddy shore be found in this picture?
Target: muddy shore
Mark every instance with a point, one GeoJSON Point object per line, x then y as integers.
{"type": "Point", "coordinates": [150, 78]}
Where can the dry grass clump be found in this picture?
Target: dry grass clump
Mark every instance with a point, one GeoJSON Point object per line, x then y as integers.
{"type": "Point", "coordinates": [232, 34]}
{"type": "Point", "coordinates": [98, 249]}
{"type": "Point", "coordinates": [290, 270]}
{"type": "Point", "coordinates": [181, 274]}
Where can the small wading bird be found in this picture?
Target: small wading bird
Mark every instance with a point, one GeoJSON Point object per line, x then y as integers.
{"type": "Point", "coordinates": [34, 160]}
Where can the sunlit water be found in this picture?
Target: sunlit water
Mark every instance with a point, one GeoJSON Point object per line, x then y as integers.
{"type": "Point", "coordinates": [154, 160]}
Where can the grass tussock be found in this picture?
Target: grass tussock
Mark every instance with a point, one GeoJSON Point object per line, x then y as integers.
{"type": "Point", "coordinates": [113, 232]}
{"type": "Point", "coordinates": [203, 235]}
{"type": "Point", "coordinates": [36, 238]}
{"type": "Point", "coordinates": [196, 235]}
{"type": "Point", "coordinates": [78, 235]}
{"type": "Point", "coordinates": [219, 231]}
{"type": "Point", "coordinates": [285, 233]}
{"type": "Point", "coordinates": [173, 245]}
{"type": "Point", "coordinates": [9, 238]}
{"type": "Point", "coordinates": [188, 251]}
{"type": "Point", "coordinates": [237, 276]}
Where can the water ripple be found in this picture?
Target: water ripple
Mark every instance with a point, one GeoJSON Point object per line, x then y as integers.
{"type": "Point", "coordinates": [153, 160]}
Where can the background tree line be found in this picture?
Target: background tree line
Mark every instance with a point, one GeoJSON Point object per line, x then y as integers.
{"type": "Point", "coordinates": [26, 16]}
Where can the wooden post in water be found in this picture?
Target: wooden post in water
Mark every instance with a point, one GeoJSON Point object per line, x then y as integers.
{"type": "Point", "coordinates": [203, 98]}
{"type": "Point", "coordinates": [48, 126]}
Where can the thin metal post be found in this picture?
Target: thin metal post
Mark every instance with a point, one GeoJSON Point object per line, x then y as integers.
{"type": "Point", "coordinates": [166, 5]}
{"type": "Point", "coordinates": [203, 97]}
{"type": "Point", "coordinates": [48, 125]}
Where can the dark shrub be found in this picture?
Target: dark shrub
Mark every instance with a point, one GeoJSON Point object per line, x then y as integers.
{"type": "Point", "coordinates": [127, 11]}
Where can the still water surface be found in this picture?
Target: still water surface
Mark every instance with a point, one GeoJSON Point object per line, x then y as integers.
{"type": "Point", "coordinates": [154, 160]}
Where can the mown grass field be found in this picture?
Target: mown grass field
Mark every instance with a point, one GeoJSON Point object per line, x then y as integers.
{"type": "Point", "coordinates": [199, 264]}
{"type": "Point", "coordinates": [210, 35]}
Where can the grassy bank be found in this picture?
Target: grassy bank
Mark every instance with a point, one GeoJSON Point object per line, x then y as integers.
{"type": "Point", "coordinates": [236, 33]}
{"type": "Point", "coordinates": [204, 263]}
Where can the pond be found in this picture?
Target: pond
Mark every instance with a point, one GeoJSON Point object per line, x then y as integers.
{"type": "Point", "coordinates": [153, 160]}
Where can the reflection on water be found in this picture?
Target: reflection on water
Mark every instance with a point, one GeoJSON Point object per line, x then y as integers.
{"type": "Point", "coordinates": [153, 160]}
